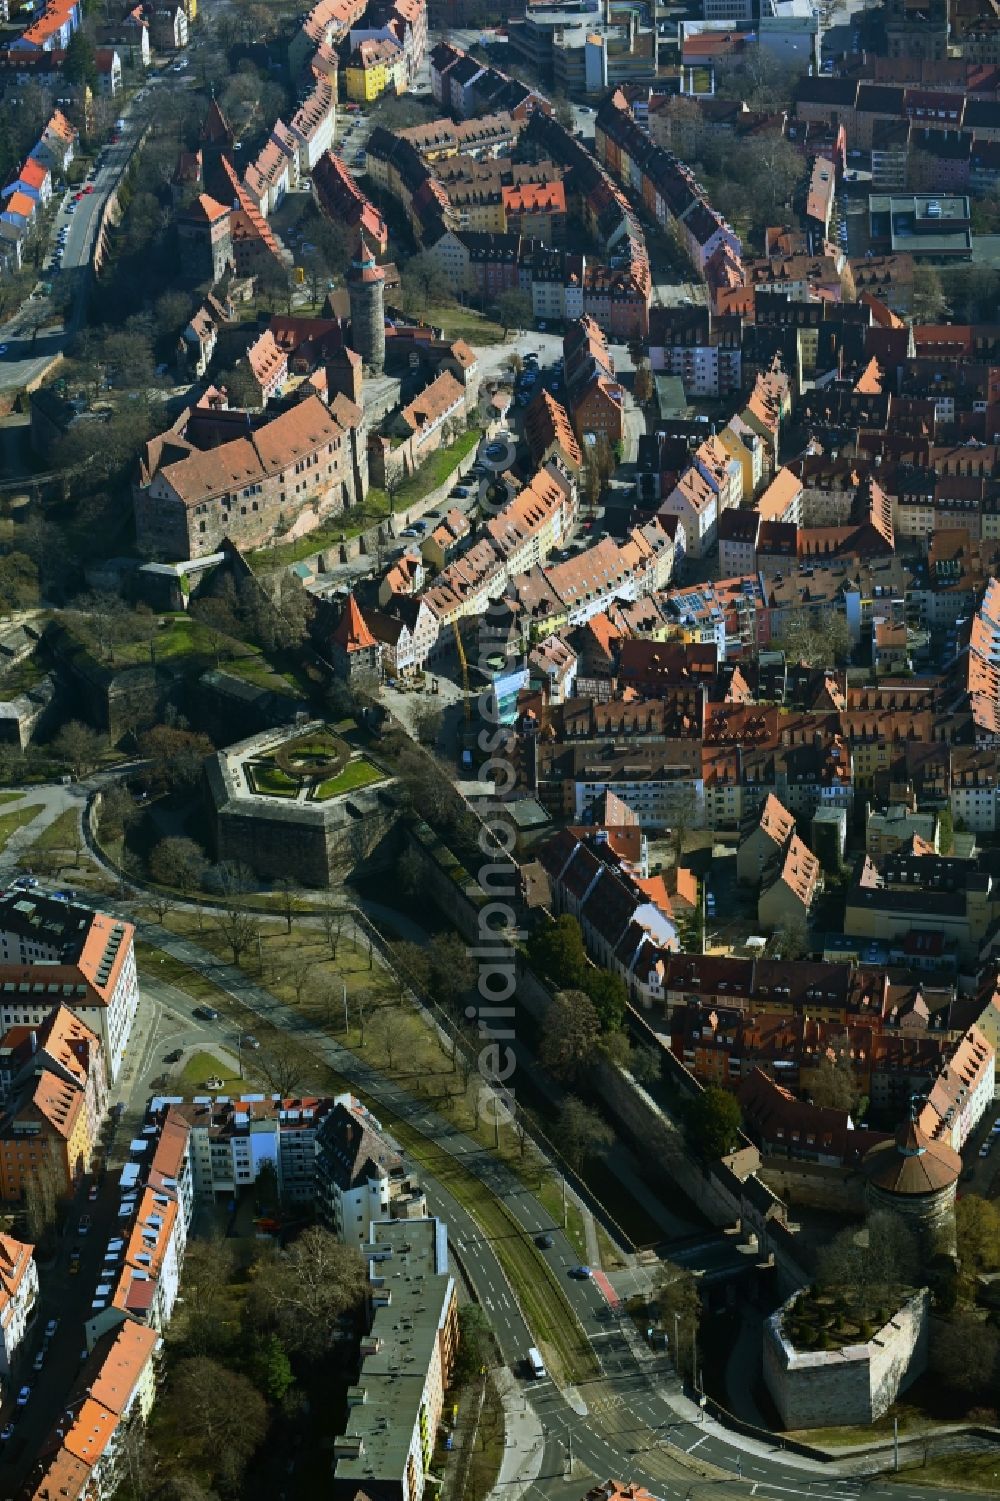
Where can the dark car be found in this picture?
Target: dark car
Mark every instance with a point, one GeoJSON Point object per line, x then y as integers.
{"type": "Point", "coordinates": [206, 1013]}
{"type": "Point", "coordinates": [544, 1242]}
{"type": "Point", "coordinates": [174, 1056]}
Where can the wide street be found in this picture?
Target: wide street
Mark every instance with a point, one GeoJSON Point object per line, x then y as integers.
{"type": "Point", "coordinates": [36, 334]}
{"type": "Point", "coordinates": [631, 1421]}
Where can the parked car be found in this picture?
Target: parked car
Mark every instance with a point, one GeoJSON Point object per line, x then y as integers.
{"type": "Point", "coordinates": [409, 531]}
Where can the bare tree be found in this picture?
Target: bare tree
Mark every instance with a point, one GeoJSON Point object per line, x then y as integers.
{"type": "Point", "coordinates": [569, 1034]}
{"type": "Point", "coordinates": [118, 812]}
{"type": "Point", "coordinates": [239, 927]}
{"type": "Point", "coordinates": [297, 969]}
{"type": "Point", "coordinates": [385, 1027]}
{"type": "Point", "coordinates": [287, 889]}
{"type": "Point", "coordinates": [161, 903]}
{"type": "Point", "coordinates": [334, 921]}
{"type": "Point", "coordinates": [581, 1132]}
{"type": "Point", "coordinates": [281, 1065]}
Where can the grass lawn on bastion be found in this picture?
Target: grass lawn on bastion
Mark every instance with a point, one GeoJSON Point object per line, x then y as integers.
{"type": "Point", "coordinates": [359, 773]}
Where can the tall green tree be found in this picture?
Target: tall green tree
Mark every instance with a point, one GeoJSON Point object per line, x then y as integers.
{"type": "Point", "coordinates": [569, 1034]}
{"type": "Point", "coordinates": [80, 63]}
{"type": "Point", "coordinates": [556, 951]}
{"type": "Point", "coordinates": [581, 1132]}
{"type": "Point", "coordinates": [712, 1122]}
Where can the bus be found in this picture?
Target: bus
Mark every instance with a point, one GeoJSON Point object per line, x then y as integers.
{"type": "Point", "coordinates": [535, 1364]}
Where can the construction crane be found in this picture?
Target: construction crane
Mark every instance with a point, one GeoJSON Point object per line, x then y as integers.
{"type": "Point", "coordinates": [465, 670]}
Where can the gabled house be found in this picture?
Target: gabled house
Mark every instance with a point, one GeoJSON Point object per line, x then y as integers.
{"type": "Point", "coordinates": [18, 1297]}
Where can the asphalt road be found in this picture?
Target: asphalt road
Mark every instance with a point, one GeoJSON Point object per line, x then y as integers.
{"type": "Point", "coordinates": [632, 1421]}
{"type": "Point", "coordinates": [30, 352]}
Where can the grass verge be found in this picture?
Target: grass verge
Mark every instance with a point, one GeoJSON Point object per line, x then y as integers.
{"type": "Point", "coordinates": [428, 1074]}
{"type": "Point", "coordinates": [549, 1195]}
{"type": "Point", "coordinates": [202, 1066]}
{"type": "Point", "coordinates": [977, 1473]}
{"type": "Point", "coordinates": [11, 822]}
{"type": "Point", "coordinates": [63, 833]}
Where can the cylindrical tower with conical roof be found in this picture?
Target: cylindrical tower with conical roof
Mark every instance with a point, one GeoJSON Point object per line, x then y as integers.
{"type": "Point", "coordinates": [916, 1178]}
{"type": "Point", "coordinates": [366, 289]}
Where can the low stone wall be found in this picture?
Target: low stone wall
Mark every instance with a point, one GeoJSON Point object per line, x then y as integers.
{"type": "Point", "coordinates": [850, 1386]}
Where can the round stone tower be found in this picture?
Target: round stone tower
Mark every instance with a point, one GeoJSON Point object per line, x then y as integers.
{"type": "Point", "coordinates": [916, 1178]}
{"type": "Point", "coordinates": [366, 289]}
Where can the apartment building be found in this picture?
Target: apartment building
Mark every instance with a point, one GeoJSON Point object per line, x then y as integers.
{"type": "Point", "coordinates": [56, 952]}
{"type": "Point", "coordinates": [233, 1139]}
{"type": "Point", "coordinates": [626, 918]}
{"type": "Point", "coordinates": [359, 1174]}
{"type": "Point", "coordinates": [895, 895]}
{"type": "Point", "coordinates": [84, 1458]}
{"type": "Point", "coordinates": [18, 1297]}
{"type": "Point", "coordinates": [53, 1092]}
{"type": "Point", "coordinates": [789, 888]}
{"type": "Point", "coordinates": [536, 520]}
{"type": "Point", "coordinates": [962, 1092]}
{"type": "Point", "coordinates": [396, 1405]}
{"type": "Point", "coordinates": [550, 434]}
{"type": "Point", "coordinates": [313, 125]}
{"type": "Point", "coordinates": [712, 483]}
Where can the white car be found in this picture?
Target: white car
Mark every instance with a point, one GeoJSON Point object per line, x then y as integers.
{"type": "Point", "coordinates": [23, 1396]}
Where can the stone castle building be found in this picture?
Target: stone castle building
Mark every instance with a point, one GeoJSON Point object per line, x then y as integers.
{"type": "Point", "coordinates": [220, 473]}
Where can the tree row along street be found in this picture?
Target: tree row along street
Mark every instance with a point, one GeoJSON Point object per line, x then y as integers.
{"type": "Point", "coordinates": [620, 1411]}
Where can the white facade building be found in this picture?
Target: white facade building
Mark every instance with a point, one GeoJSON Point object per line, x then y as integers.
{"type": "Point", "coordinates": [18, 1296]}
{"type": "Point", "coordinates": [55, 952]}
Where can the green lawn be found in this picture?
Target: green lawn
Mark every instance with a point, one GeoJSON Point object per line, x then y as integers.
{"type": "Point", "coordinates": [359, 773]}
{"type": "Point", "coordinates": [459, 322]}
{"type": "Point", "coordinates": [181, 639]}
{"type": "Point", "coordinates": [11, 822]}
{"type": "Point", "coordinates": [376, 508]}
{"type": "Point", "coordinates": [10, 797]}
{"type": "Point", "coordinates": [437, 469]}
{"type": "Point", "coordinates": [963, 1472]}
{"type": "Point", "coordinates": [202, 1066]}
{"type": "Point", "coordinates": [274, 781]}
{"type": "Point", "coordinates": [61, 834]}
